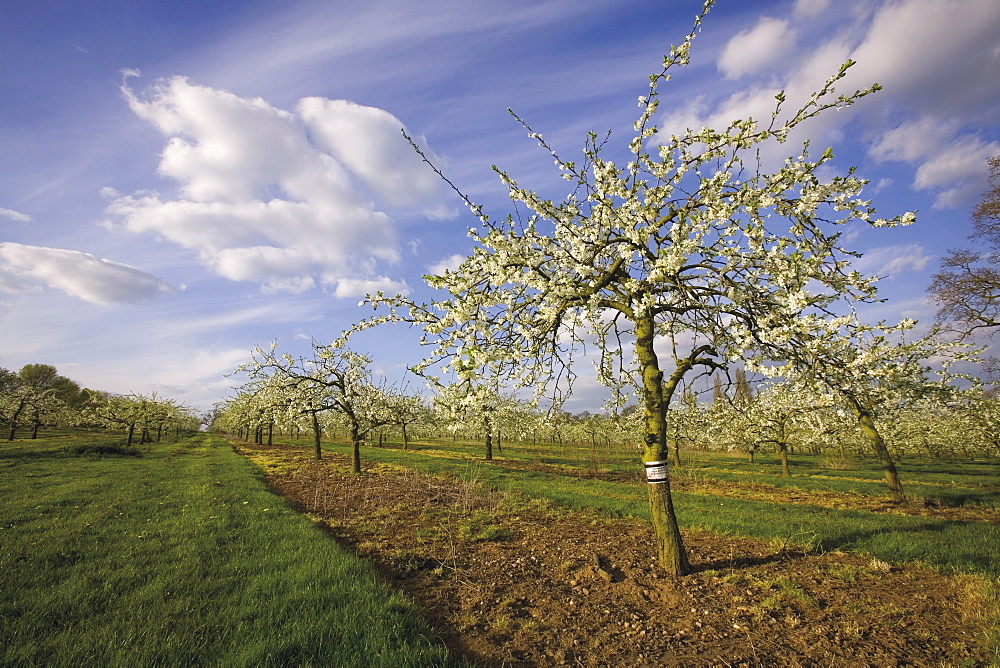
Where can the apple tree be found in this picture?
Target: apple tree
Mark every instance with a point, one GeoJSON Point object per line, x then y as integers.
{"type": "Point", "coordinates": [688, 256]}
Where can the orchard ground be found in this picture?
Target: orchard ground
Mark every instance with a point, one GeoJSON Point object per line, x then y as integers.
{"type": "Point", "coordinates": [177, 552]}
{"type": "Point", "coordinates": [511, 580]}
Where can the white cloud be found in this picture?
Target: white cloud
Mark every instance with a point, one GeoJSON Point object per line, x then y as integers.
{"type": "Point", "coordinates": [932, 57]}
{"type": "Point", "coordinates": [893, 260]}
{"type": "Point", "coordinates": [77, 274]}
{"type": "Point", "coordinates": [881, 184]}
{"type": "Point", "coordinates": [281, 198]}
{"type": "Point", "coordinates": [914, 140]}
{"type": "Point", "coordinates": [963, 161]}
{"type": "Point", "coordinates": [934, 54]}
{"type": "Point", "coordinates": [356, 287]}
{"type": "Point", "coordinates": [947, 161]}
{"type": "Point", "coordinates": [14, 215]}
{"type": "Point", "coordinates": [751, 51]}
{"type": "Point", "coordinates": [368, 141]}
{"type": "Point", "coordinates": [450, 263]}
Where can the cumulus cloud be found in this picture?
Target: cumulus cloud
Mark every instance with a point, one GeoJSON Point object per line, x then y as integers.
{"type": "Point", "coordinates": [14, 215]}
{"type": "Point", "coordinates": [284, 198]}
{"type": "Point", "coordinates": [757, 49]}
{"type": "Point", "coordinates": [933, 58]}
{"type": "Point", "coordinates": [368, 142]}
{"type": "Point", "coordinates": [77, 274]}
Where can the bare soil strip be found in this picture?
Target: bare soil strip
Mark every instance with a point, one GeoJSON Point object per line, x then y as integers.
{"type": "Point", "coordinates": [512, 582]}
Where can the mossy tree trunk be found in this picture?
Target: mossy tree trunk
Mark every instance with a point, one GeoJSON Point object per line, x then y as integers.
{"type": "Point", "coordinates": [317, 436]}
{"type": "Point", "coordinates": [675, 452]}
{"type": "Point", "coordinates": [489, 441]}
{"type": "Point", "coordinates": [783, 454]}
{"type": "Point", "coordinates": [670, 547]}
{"type": "Point", "coordinates": [355, 447]}
{"type": "Point", "coordinates": [871, 432]}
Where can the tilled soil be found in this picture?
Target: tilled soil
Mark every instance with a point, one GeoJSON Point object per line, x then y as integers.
{"type": "Point", "coordinates": [512, 582]}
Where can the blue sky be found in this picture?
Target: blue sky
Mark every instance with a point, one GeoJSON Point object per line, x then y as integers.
{"type": "Point", "coordinates": [181, 181]}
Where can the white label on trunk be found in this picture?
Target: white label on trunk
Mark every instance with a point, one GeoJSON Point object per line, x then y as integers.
{"type": "Point", "coordinates": [657, 471]}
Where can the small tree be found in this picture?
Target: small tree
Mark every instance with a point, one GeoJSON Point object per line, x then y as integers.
{"type": "Point", "coordinates": [967, 288]}
{"type": "Point", "coordinates": [775, 416]}
{"type": "Point", "coordinates": [690, 256]}
{"type": "Point", "coordinates": [334, 380]}
{"type": "Point", "coordinates": [874, 368]}
{"type": "Point", "coordinates": [134, 411]}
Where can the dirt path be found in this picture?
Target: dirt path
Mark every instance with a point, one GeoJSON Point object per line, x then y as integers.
{"type": "Point", "coordinates": [515, 582]}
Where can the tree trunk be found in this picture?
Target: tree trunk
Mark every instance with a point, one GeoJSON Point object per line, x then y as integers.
{"type": "Point", "coordinates": [489, 445]}
{"type": "Point", "coordinates": [13, 421]}
{"type": "Point", "coordinates": [317, 436]}
{"type": "Point", "coordinates": [356, 448]}
{"type": "Point", "coordinates": [675, 452]}
{"type": "Point", "coordinates": [670, 547]}
{"type": "Point", "coordinates": [131, 433]}
{"type": "Point", "coordinates": [878, 445]}
{"type": "Point", "coordinates": [783, 453]}
{"type": "Point", "coordinates": [406, 438]}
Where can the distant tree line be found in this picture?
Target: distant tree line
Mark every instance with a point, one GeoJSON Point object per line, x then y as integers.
{"type": "Point", "coordinates": [38, 396]}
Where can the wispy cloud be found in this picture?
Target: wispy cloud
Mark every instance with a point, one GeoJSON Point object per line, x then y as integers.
{"type": "Point", "coordinates": [14, 215]}
{"type": "Point", "coordinates": [889, 261]}
{"type": "Point", "coordinates": [76, 273]}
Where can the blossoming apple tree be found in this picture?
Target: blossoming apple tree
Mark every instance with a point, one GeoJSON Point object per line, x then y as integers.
{"type": "Point", "coordinates": [689, 256]}
{"type": "Point", "coordinates": [334, 380]}
{"type": "Point", "coordinates": [875, 369]}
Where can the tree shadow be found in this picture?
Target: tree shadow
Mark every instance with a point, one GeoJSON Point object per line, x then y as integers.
{"type": "Point", "coordinates": [740, 562]}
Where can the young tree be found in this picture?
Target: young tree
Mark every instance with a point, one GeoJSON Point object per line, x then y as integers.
{"type": "Point", "coordinates": [409, 411]}
{"type": "Point", "coordinates": [775, 416]}
{"type": "Point", "coordinates": [967, 288]}
{"type": "Point", "coordinates": [483, 410]}
{"type": "Point", "coordinates": [874, 368]}
{"type": "Point", "coordinates": [134, 411]}
{"type": "Point", "coordinates": [334, 380]}
{"type": "Point", "coordinates": [688, 257]}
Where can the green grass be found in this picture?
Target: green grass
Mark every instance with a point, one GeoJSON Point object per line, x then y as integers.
{"type": "Point", "coordinates": [945, 481]}
{"type": "Point", "coordinates": [952, 545]}
{"type": "Point", "coordinates": [180, 556]}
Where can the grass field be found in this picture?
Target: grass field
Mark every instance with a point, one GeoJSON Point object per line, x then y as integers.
{"type": "Point", "coordinates": [953, 482]}
{"type": "Point", "coordinates": [180, 555]}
